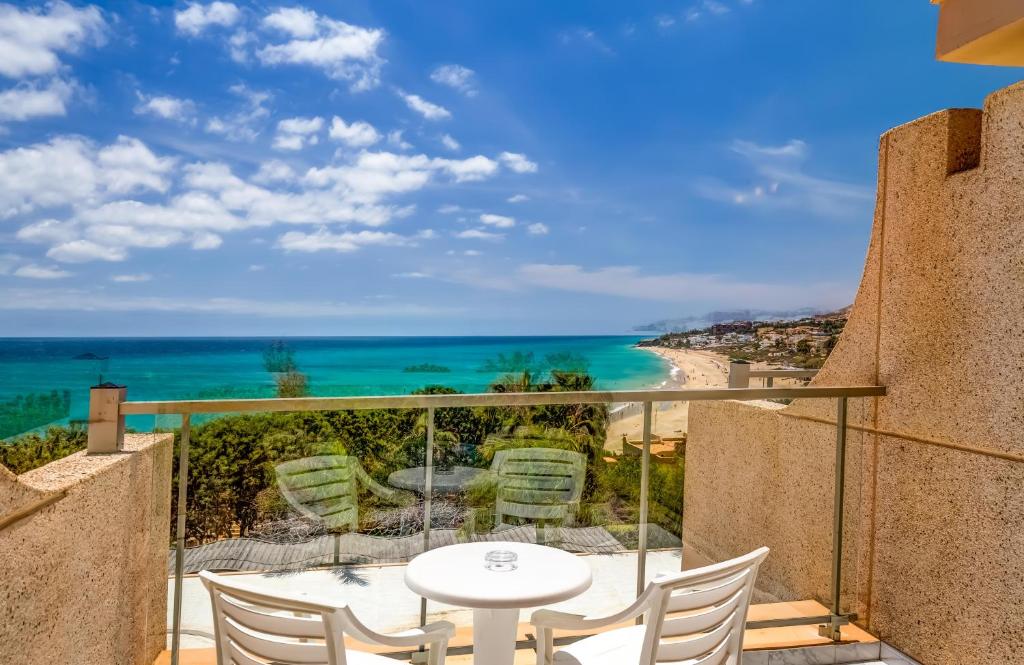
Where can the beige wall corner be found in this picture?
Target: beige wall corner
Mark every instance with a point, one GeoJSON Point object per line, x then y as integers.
{"type": "Point", "coordinates": [934, 510]}
{"type": "Point", "coordinates": [18, 500]}
{"type": "Point", "coordinates": [84, 579]}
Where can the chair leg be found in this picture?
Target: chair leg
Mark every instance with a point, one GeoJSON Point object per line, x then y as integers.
{"type": "Point", "coordinates": [545, 645]}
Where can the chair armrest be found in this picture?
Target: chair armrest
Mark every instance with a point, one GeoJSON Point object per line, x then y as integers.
{"type": "Point", "coordinates": [552, 619]}
{"type": "Point", "coordinates": [439, 631]}
{"type": "Point", "coordinates": [395, 496]}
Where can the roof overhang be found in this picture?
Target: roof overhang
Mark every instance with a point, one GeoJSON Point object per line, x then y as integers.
{"type": "Point", "coordinates": [981, 32]}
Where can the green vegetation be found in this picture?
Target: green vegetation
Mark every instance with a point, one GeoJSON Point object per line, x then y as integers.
{"type": "Point", "coordinates": [519, 362]}
{"type": "Point", "coordinates": [279, 360]}
{"type": "Point", "coordinates": [31, 451]}
{"type": "Point", "coordinates": [232, 488]}
{"type": "Point", "coordinates": [26, 412]}
{"type": "Point", "coordinates": [427, 368]}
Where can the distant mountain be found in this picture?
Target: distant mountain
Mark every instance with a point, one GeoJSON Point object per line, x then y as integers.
{"type": "Point", "coordinates": [711, 318]}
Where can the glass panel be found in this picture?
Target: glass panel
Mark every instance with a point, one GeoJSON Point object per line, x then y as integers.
{"type": "Point", "coordinates": [544, 475]}
{"type": "Point", "coordinates": [665, 497]}
{"type": "Point", "coordinates": [303, 502]}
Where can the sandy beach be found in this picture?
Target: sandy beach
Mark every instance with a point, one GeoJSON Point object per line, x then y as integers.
{"type": "Point", "coordinates": [692, 369]}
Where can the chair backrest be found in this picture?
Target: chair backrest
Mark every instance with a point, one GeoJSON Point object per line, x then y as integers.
{"type": "Point", "coordinates": [252, 627]}
{"type": "Point", "coordinates": [538, 483]}
{"type": "Point", "coordinates": [699, 615]}
{"type": "Point", "coordinates": [322, 487]}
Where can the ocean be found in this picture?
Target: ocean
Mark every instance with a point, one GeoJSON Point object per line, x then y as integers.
{"type": "Point", "coordinates": [212, 368]}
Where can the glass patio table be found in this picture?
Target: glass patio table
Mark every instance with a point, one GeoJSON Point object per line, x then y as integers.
{"type": "Point", "coordinates": [445, 481]}
{"type": "Point", "coordinates": [459, 575]}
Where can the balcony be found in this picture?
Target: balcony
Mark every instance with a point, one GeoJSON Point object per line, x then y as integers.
{"type": "Point", "coordinates": [888, 489]}
{"type": "Point", "coordinates": [622, 511]}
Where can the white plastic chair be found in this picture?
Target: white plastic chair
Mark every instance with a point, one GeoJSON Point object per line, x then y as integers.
{"type": "Point", "coordinates": [695, 617]}
{"type": "Point", "coordinates": [254, 627]}
{"type": "Point", "coordinates": [326, 488]}
{"type": "Point", "coordinates": [538, 484]}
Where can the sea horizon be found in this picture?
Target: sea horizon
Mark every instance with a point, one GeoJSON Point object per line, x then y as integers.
{"type": "Point", "coordinates": [234, 367]}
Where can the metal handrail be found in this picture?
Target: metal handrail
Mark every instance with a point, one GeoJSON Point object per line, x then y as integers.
{"type": "Point", "coordinates": [488, 399]}
{"type": "Point", "coordinates": [784, 373]}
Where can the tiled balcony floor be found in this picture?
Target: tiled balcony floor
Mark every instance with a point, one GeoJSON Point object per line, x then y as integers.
{"type": "Point", "coordinates": [379, 596]}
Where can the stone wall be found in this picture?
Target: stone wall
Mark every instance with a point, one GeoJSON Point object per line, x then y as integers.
{"type": "Point", "coordinates": [84, 579]}
{"type": "Point", "coordinates": [934, 555]}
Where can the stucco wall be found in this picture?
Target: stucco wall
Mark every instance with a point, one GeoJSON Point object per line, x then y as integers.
{"type": "Point", "coordinates": [934, 556]}
{"type": "Point", "coordinates": [84, 580]}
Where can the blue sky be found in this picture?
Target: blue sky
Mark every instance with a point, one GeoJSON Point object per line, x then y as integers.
{"type": "Point", "coordinates": [404, 168]}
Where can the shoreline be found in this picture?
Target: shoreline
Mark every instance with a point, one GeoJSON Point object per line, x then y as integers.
{"type": "Point", "coordinates": [704, 369]}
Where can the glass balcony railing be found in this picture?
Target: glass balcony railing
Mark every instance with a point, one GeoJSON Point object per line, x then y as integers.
{"type": "Point", "coordinates": [333, 495]}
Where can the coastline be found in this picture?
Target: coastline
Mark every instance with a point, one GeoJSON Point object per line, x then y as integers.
{"type": "Point", "coordinates": [688, 368]}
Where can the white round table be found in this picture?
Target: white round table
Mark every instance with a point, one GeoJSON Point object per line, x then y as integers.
{"type": "Point", "coordinates": [456, 575]}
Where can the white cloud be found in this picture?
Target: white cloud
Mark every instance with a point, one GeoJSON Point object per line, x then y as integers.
{"type": "Point", "coordinates": [166, 107]}
{"type": "Point", "coordinates": [538, 229]}
{"type": "Point", "coordinates": [468, 170]}
{"type": "Point", "coordinates": [518, 198]}
{"type": "Point", "coordinates": [715, 7]}
{"type": "Point", "coordinates": [461, 78]}
{"type": "Point", "coordinates": [585, 37]}
{"type": "Point", "coordinates": [719, 290]}
{"type": "Point", "coordinates": [518, 162]}
{"type": "Point", "coordinates": [33, 271]}
{"type": "Point", "coordinates": [779, 182]}
{"type": "Point", "coordinates": [498, 221]}
{"type": "Point", "coordinates": [412, 275]}
{"type": "Point", "coordinates": [206, 240]}
{"type": "Point", "coordinates": [129, 279]}
{"type": "Point", "coordinates": [449, 142]}
{"type": "Point", "coordinates": [793, 148]}
{"type": "Point", "coordinates": [297, 133]}
{"type": "Point", "coordinates": [35, 100]}
{"type": "Point", "coordinates": [129, 166]}
{"type": "Point", "coordinates": [93, 203]}
{"type": "Point", "coordinates": [75, 300]}
{"type": "Point", "coordinates": [479, 234]}
{"type": "Point", "coordinates": [47, 231]}
{"type": "Point", "coordinates": [71, 171]}
{"type": "Point", "coordinates": [30, 40]}
{"type": "Point", "coordinates": [81, 251]}
{"type": "Point", "coordinates": [341, 50]}
{"type": "Point", "coordinates": [197, 17]}
{"type": "Point", "coordinates": [295, 21]}
{"type": "Point", "coordinates": [423, 107]}
{"type": "Point", "coordinates": [665, 21]}
{"type": "Point", "coordinates": [472, 252]}
{"type": "Point", "coordinates": [395, 139]}
{"type": "Point", "coordinates": [449, 208]}
{"type": "Point", "coordinates": [272, 171]}
{"type": "Point", "coordinates": [246, 123]}
{"type": "Point", "coordinates": [358, 134]}
{"type": "Point", "coordinates": [324, 240]}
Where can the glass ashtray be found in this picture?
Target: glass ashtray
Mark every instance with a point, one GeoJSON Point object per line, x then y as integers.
{"type": "Point", "coordinates": [500, 561]}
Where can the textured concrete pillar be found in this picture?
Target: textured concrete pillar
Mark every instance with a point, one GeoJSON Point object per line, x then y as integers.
{"type": "Point", "coordinates": [106, 422]}
{"type": "Point", "coordinates": [739, 374]}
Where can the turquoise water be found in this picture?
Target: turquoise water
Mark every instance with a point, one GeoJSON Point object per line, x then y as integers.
{"type": "Point", "coordinates": [210, 368]}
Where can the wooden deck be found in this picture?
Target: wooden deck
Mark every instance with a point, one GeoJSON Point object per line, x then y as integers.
{"type": "Point", "coordinates": [250, 554]}
{"type": "Point", "coordinates": [460, 648]}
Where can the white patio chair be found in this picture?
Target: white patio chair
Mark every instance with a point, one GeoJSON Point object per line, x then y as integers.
{"type": "Point", "coordinates": [325, 488]}
{"type": "Point", "coordinates": [538, 484]}
{"type": "Point", "coordinates": [255, 627]}
{"type": "Point", "coordinates": [695, 617]}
